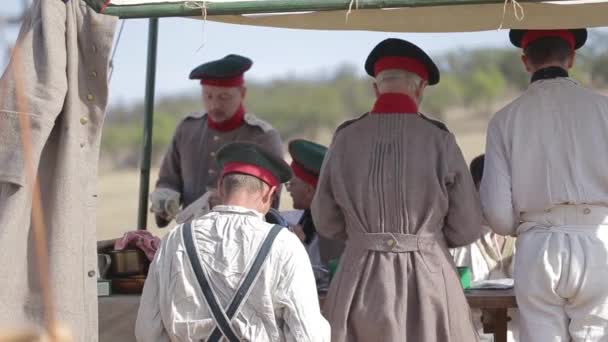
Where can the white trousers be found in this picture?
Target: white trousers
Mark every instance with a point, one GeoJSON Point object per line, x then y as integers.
{"type": "Point", "coordinates": [561, 275]}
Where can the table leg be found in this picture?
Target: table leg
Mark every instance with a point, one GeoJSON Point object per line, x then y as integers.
{"type": "Point", "coordinates": [495, 322]}
{"type": "Point", "coordinates": [500, 333]}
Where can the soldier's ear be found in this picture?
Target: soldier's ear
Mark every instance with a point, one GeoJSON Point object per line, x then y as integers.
{"type": "Point", "coordinates": [571, 59]}
{"type": "Point", "coordinates": [269, 196]}
{"type": "Point", "coordinates": [525, 61]}
{"type": "Point", "coordinates": [311, 189]}
{"type": "Point", "coordinates": [243, 91]}
{"type": "Point", "coordinates": [421, 87]}
{"type": "Point", "coordinates": [376, 89]}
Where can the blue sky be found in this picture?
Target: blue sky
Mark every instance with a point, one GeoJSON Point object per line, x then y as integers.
{"type": "Point", "coordinates": [185, 43]}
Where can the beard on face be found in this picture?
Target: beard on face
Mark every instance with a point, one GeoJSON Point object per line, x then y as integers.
{"type": "Point", "coordinates": [218, 115]}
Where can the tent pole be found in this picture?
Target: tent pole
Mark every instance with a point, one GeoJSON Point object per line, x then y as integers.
{"type": "Point", "coordinates": [239, 7]}
{"type": "Point", "coordinates": [144, 180]}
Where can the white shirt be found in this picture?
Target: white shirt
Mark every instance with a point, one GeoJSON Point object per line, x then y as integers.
{"type": "Point", "coordinates": [313, 249]}
{"type": "Point", "coordinates": [283, 305]}
{"type": "Point", "coordinates": [547, 147]}
{"type": "Point", "coordinates": [472, 256]}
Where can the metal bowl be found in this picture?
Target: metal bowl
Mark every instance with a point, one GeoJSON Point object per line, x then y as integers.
{"type": "Point", "coordinates": [128, 262]}
{"type": "Point", "coordinates": [129, 285]}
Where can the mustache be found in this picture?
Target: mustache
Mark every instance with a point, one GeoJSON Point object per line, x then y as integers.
{"type": "Point", "coordinates": [216, 113]}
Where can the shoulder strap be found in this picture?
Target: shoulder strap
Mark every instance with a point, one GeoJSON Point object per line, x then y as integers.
{"type": "Point", "coordinates": [349, 122]}
{"type": "Point", "coordinates": [195, 115]}
{"type": "Point", "coordinates": [253, 120]}
{"type": "Point", "coordinates": [437, 123]}
{"type": "Point", "coordinates": [219, 316]}
{"type": "Point", "coordinates": [250, 278]}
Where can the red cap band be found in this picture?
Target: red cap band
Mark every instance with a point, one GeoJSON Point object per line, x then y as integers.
{"type": "Point", "coordinates": [224, 82]}
{"type": "Point", "coordinates": [304, 174]}
{"type": "Point", "coordinates": [402, 63]}
{"type": "Point", "coordinates": [252, 170]}
{"type": "Point", "coordinates": [533, 35]}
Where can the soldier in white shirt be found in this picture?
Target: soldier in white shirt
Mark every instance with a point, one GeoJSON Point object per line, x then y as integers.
{"type": "Point", "coordinates": [490, 257]}
{"type": "Point", "coordinates": [197, 284]}
{"type": "Point", "coordinates": [545, 181]}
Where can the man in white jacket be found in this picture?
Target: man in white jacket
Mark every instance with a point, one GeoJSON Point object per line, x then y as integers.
{"type": "Point", "coordinates": [197, 286]}
{"type": "Point", "coordinates": [490, 257]}
{"type": "Point", "coordinates": [545, 181]}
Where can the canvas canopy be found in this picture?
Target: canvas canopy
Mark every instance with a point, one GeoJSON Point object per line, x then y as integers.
{"type": "Point", "coordinates": [374, 15]}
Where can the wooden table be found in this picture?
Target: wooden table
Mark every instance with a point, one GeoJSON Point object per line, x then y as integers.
{"type": "Point", "coordinates": [118, 313]}
{"type": "Point", "coordinates": [494, 305]}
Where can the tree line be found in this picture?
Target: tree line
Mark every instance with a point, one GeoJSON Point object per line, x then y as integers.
{"type": "Point", "coordinates": [473, 79]}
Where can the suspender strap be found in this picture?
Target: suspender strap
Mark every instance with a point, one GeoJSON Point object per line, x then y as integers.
{"type": "Point", "coordinates": [219, 316]}
{"type": "Point", "coordinates": [222, 318]}
{"type": "Point", "coordinates": [250, 278]}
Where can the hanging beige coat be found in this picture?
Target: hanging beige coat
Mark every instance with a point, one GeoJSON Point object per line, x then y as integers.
{"type": "Point", "coordinates": [398, 190]}
{"type": "Point", "coordinates": [65, 48]}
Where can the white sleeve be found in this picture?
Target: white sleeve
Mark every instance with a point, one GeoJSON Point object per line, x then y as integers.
{"type": "Point", "coordinates": [149, 325]}
{"type": "Point", "coordinates": [495, 190]}
{"type": "Point", "coordinates": [462, 256]}
{"type": "Point", "coordinates": [297, 297]}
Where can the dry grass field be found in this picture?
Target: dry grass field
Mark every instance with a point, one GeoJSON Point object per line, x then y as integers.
{"type": "Point", "coordinates": [117, 210]}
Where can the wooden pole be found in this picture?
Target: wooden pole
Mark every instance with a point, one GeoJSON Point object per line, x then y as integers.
{"type": "Point", "coordinates": [37, 223]}
{"type": "Point", "coordinates": [195, 8]}
{"type": "Point", "coordinates": [144, 180]}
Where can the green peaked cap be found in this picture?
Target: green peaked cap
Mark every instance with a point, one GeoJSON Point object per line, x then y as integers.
{"type": "Point", "coordinates": [307, 154]}
{"type": "Point", "coordinates": [249, 158]}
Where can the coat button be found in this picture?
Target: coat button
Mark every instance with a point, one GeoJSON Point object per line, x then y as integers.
{"type": "Point", "coordinates": [216, 138]}
{"type": "Point", "coordinates": [211, 171]}
{"type": "Point", "coordinates": [94, 73]}
{"type": "Point", "coordinates": [212, 154]}
{"type": "Point", "coordinates": [587, 211]}
{"type": "Point", "coordinates": [390, 243]}
{"type": "Point", "coordinates": [91, 274]}
{"type": "Point", "coordinates": [90, 97]}
{"type": "Point", "coordinates": [84, 120]}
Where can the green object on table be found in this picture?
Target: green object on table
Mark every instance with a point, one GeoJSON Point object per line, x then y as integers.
{"type": "Point", "coordinates": [464, 273]}
{"type": "Point", "coordinates": [332, 265]}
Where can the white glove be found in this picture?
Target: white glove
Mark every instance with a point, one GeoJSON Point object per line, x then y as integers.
{"type": "Point", "coordinates": [165, 202]}
{"type": "Point", "coordinates": [196, 209]}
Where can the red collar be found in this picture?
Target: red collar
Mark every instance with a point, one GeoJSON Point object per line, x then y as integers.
{"type": "Point", "coordinates": [228, 125]}
{"type": "Point", "coordinates": [394, 103]}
